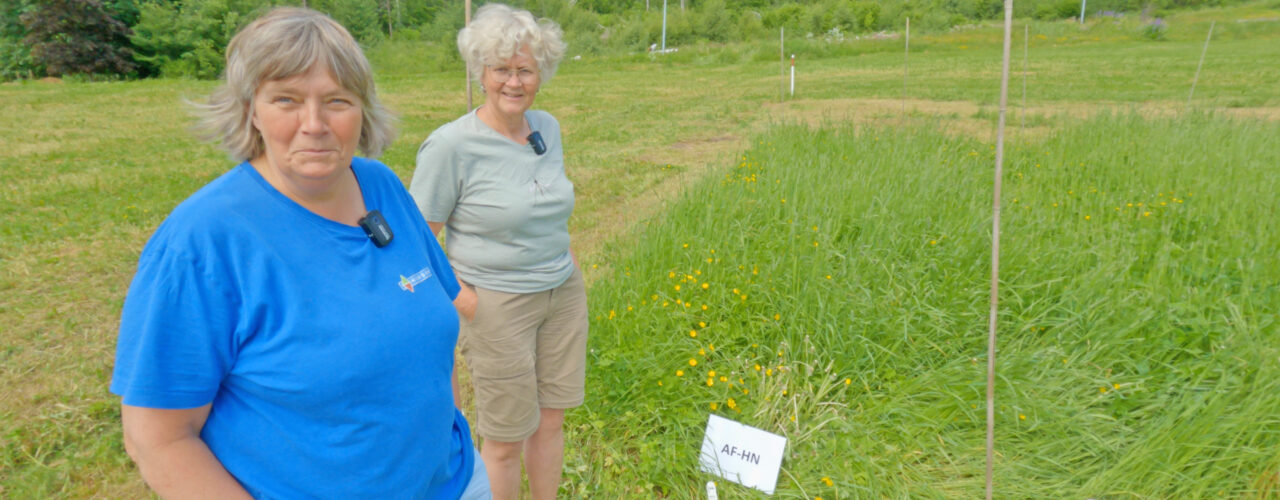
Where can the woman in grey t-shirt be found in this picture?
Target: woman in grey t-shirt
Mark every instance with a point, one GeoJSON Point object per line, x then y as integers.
{"type": "Point", "coordinates": [495, 179]}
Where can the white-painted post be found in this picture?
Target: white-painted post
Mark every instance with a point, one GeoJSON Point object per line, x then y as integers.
{"type": "Point", "coordinates": [1082, 4]}
{"type": "Point", "coordinates": [711, 491]}
{"type": "Point", "coordinates": [664, 26]}
{"type": "Point", "coordinates": [793, 75]}
{"type": "Point", "coordinates": [995, 250]}
{"type": "Point", "coordinates": [1198, 66]}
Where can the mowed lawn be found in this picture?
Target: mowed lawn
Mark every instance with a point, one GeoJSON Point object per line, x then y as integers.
{"type": "Point", "coordinates": [89, 169]}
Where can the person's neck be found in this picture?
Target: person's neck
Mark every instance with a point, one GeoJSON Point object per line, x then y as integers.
{"type": "Point", "coordinates": [340, 200]}
{"type": "Point", "coordinates": [514, 127]}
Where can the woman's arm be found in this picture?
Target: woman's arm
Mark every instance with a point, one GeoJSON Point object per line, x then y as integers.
{"type": "Point", "coordinates": [173, 459]}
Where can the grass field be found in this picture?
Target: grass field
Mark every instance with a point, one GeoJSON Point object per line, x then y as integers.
{"type": "Point", "coordinates": [1139, 351]}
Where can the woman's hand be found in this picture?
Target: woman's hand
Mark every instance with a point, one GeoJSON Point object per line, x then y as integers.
{"type": "Point", "coordinates": [466, 301]}
{"type": "Point", "coordinates": [173, 459]}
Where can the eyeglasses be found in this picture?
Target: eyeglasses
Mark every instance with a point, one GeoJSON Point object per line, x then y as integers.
{"type": "Point", "coordinates": [503, 74]}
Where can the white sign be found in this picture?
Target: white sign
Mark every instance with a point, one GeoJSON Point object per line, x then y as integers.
{"type": "Point", "coordinates": [745, 455]}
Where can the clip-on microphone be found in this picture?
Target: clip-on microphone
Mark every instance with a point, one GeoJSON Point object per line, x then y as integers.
{"type": "Point", "coordinates": [535, 140]}
{"type": "Point", "coordinates": [377, 228]}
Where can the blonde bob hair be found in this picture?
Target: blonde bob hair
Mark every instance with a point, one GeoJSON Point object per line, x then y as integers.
{"type": "Point", "coordinates": [498, 31]}
{"type": "Point", "coordinates": [285, 42]}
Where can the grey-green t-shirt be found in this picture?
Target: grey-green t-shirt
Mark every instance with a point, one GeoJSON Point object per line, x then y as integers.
{"type": "Point", "coordinates": [505, 208]}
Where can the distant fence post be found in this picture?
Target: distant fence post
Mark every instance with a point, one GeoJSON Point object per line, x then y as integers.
{"type": "Point", "coordinates": [1026, 48]}
{"type": "Point", "coordinates": [1082, 4]}
{"type": "Point", "coordinates": [782, 67]}
{"type": "Point", "coordinates": [906, 50]}
{"type": "Point", "coordinates": [1198, 66]}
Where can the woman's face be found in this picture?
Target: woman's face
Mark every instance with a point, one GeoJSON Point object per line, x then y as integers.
{"type": "Point", "coordinates": [511, 85]}
{"type": "Point", "coordinates": [310, 127]}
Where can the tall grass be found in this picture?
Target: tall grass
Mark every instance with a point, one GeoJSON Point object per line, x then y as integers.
{"type": "Point", "coordinates": [835, 282]}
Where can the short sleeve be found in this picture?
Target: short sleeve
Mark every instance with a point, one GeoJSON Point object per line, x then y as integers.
{"type": "Point", "coordinates": [176, 338]}
{"type": "Point", "coordinates": [437, 180]}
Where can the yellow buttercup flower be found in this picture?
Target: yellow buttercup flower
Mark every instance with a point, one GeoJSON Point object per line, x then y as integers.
{"type": "Point", "coordinates": [693, 362]}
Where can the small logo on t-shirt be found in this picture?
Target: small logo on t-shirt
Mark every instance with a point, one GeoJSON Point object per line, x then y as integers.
{"type": "Point", "coordinates": [415, 279]}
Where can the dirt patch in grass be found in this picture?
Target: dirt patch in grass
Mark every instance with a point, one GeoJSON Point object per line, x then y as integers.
{"type": "Point", "coordinates": [694, 157]}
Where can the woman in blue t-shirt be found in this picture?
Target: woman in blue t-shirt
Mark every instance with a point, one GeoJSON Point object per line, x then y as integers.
{"type": "Point", "coordinates": [290, 329]}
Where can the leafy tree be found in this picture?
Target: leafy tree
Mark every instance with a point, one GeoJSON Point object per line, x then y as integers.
{"type": "Point", "coordinates": [361, 17]}
{"type": "Point", "coordinates": [189, 39]}
{"type": "Point", "coordinates": [15, 55]}
{"type": "Point", "coordinates": [77, 37]}
{"type": "Point", "coordinates": [717, 24]}
{"type": "Point", "coordinates": [785, 16]}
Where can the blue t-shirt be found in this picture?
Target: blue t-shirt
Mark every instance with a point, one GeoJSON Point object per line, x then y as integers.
{"type": "Point", "coordinates": [327, 360]}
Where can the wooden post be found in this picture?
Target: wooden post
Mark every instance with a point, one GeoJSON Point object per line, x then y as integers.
{"type": "Point", "coordinates": [782, 56]}
{"type": "Point", "coordinates": [1198, 66]}
{"type": "Point", "coordinates": [906, 50]}
{"type": "Point", "coordinates": [1026, 48]}
{"type": "Point", "coordinates": [995, 249]}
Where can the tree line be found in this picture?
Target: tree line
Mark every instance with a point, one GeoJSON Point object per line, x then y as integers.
{"type": "Point", "coordinates": [186, 38]}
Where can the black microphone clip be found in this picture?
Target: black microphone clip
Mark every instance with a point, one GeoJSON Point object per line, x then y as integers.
{"type": "Point", "coordinates": [535, 140]}
{"type": "Point", "coordinates": [377, 228]}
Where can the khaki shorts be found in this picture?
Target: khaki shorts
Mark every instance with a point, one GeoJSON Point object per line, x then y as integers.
{"type": "Point", "coordinates": [526, 351]}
